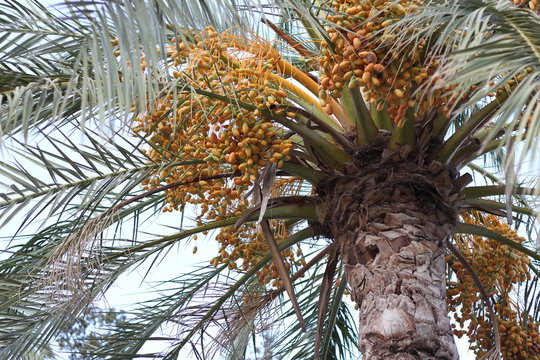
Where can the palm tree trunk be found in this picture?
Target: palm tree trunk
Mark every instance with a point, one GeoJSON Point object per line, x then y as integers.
{"type": "Point", "coordinates": [391, 214]}
{"type": "Point", "coordinates": [397, 277]}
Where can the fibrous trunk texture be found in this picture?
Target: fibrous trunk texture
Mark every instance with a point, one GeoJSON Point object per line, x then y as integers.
{"type": "Point", "coordinates": [391, 214]}
{"type": "Point", "coordinates": [400, 290]}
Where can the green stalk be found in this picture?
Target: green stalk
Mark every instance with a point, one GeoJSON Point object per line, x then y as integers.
{"type": "Point", "coordinates": [355, 107]}
{"type": "Point", "coordinates": [468, 153]}
{"type": "Point", "coordinates": [482, 231]}
{"type": "Point", "coordinates": [454, 143]}
{"type": "Point", "coordinates": [304, 212]}
{"type": "Point", "coordinates": [313, 176]}
{"type": "Point", "coordinates": [475, 192]}
{"type": "Point", "coordinates": [441, 125]}
{"type": "Point", "coordinates": [490, 146]}
{"type": "Point", "coordinates": [333, 157]}
{"type": "Point", "coordinates": [495, 205]}
{"type": "Point", "coordinates": [404, 135]}
{"type": "Point", "coordinates": [493, 178]}
{"type": "Point", "coordinates": [315, 111]}
{"type": "Point", "coordinates": [381, 118]}
{"type": "Point", "coordinates": [474, 150]}
{"type": "Point", "coordinates": [485, 173]}
{"type": "Point", "coordinates": [338, 137]}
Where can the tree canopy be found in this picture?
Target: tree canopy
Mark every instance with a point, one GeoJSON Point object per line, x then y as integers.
{"type": "Point", "coordinates": [274, 129]}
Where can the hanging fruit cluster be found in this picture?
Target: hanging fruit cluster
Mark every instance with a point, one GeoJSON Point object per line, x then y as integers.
{"type": "Point", "coordinates": [500, 269]}
{"type": "Point", "coordinates": [247, 247]}
{"type": "Point", "coordinates": [223, 136]}
{"type": "Point", "coordinates": [216, 134]}
{"type": "Point", "coordinates": [531, 4]}
{"type": "Point", "coordinates": [361, 54]}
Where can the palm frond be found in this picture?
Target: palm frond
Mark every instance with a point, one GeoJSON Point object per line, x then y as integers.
{"type": "Point", "coordinates": [40, 56]}
{"type": "Point", "coordinates": [214, 305]}
{"type": "Point", "coordinates": [44, 182]}
{"type": "Point", "coordinates": [340, 341]}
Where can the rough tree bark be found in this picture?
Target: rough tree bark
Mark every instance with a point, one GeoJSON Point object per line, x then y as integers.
{"type": "Point", "coordinates": [391, 214]}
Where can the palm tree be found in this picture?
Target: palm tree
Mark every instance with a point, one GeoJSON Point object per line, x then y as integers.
{"type": "Point", "coordinates": [336, 160]}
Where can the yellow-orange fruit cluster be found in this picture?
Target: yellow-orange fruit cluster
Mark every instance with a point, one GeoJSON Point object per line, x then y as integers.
{"type": "Point", "coordinates": [247, 248]}
{"type": "Point", "coordinates": [363, 56]}
{"type": "Point", "coordinates": [213, 145]}
{"type": "Point", "coordinates": [499, 268]}
{"type": "Point", "coordinates": [531, 4]}
{"type": "Point", "coordinates": [242, 248]}
{"type": "Point", "coordinates": [224, 137]}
